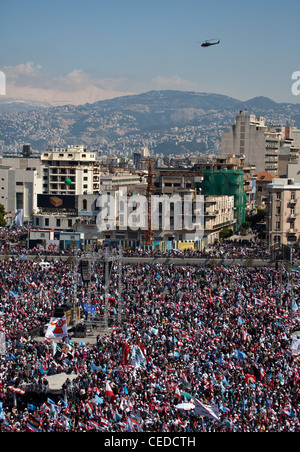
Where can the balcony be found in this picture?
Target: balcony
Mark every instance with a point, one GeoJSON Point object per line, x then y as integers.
{"type": "Point", "coordinates": [271, 166]}
{"type": "Point", "coordinates": [271, 152]}
{"type": "Point", "coordinates": [293, 230]}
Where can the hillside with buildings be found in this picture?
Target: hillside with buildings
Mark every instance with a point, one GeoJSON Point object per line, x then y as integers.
{"type": "Point", "coordinates": [167, 122]}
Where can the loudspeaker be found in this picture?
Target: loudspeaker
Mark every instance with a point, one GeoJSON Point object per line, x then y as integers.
{"type": "Point", "coordinates": [85, 271]}
{"type": "Point", "coordinates": [80, 331]}
{"type": "Point", "coordinates": [59, 312]}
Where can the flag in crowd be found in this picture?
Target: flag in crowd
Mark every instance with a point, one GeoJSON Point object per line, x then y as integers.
{"type": "Point", "coordinates": [57, 328]}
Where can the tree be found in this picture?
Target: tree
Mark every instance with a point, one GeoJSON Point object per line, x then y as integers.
{"type": "Point", "coordinates": [226, 233]}
{"type": "Point", "coordinates": [245, 226]}
{"type": "Point", "coordinates": [259, 217]}
{"type": "Point", "coordinates": [2, 215]}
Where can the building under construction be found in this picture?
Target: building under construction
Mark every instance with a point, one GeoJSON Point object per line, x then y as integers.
{"type": "Point", "coordinates": [227, 182]}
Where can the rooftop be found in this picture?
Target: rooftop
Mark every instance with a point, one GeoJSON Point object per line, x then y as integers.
{"type": "Point", "coordinates": [265, 176]}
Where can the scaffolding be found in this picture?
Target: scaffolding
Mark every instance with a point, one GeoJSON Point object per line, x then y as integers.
{"type": "Point", "coordinates": [227, 182]}
{"type": "Point", "coordinates": [112, 261]}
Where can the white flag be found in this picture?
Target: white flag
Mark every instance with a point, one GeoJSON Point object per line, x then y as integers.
{"type": "Point", "coordinates": [154, 331]}
{"type": "Point", "coordinates": [129, 425]}
{"type": "Point", "coordinates": [57, 328]}
{"type": "Point", "coordinates": [210, 411]}
{"type": "Point", "coordinates": [19, 218]}
{"type": "Point", "coordinates": [138, 358]}
{"type": "Point", "coordinates": [295, 346]}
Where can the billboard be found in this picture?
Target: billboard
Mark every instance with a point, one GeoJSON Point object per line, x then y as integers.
{"type": "Point", "coordinates": [56, 201]}
{"type": "Point", "coordinates": [187, 246]}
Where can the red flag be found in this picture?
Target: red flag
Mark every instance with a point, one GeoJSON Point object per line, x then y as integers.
{"type": "Point", "coordinates": [250, 379]}
{"type": "Point", "coordinates": [17, 390]}
{"type": "Point", "coordinates": [109, 392]}
{"type": "Point", "coordinates": [125, 353]}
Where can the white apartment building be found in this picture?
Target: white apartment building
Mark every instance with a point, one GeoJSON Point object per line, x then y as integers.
{"type": "Point", "coordinates": [23, 178]}
{"type": "Point", "coordinates": [74, 165]}
{"type": "Point", "coordinates": [20, 181]}
{"type": "Point", "coordinates": [219, 214]}
{"type": "Point", "coordinates": [283, 211]}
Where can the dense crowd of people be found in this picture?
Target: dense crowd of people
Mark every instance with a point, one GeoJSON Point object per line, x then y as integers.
{"type": "Point", "coordinates": [218, 335]}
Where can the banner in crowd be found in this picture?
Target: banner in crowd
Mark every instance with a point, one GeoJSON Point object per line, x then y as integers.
{"type": "Point", "coordinates": [57, 328]}
{"type": "Point", "coordinates": [210, 411]}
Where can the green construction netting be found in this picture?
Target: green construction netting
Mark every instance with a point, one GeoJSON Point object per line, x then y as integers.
{"type": "Point", "coordinates": [227, 182]}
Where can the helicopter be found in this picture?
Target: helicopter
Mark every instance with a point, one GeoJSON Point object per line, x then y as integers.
{"type": "Point", "coordinates": [210, 43]}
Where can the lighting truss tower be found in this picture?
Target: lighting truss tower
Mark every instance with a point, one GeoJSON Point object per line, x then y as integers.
{"type": "Point", "coordinates": [85, 269]}
{"type": "Point", "coordinates": [111, 258]}
{"type": "Point", "coordinates": [109, 261]}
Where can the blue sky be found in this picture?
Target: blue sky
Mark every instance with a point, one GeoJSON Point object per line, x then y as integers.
{"type": "Point", "coordinates": [66, 48]}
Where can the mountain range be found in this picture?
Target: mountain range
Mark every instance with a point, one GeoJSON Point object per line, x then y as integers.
{"type": "Point", "coordinates": [161, 120]}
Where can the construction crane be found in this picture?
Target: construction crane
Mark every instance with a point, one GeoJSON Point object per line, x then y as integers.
{"type": "Point", "coordinates": [148, 236]}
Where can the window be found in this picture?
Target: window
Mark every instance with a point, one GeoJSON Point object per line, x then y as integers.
{"type": "Point", "coordinates": [46, 221]}
{"type": "Point", "coordinates": [84, 204]}
{"type": "Point", "coordinates": [58, 223]}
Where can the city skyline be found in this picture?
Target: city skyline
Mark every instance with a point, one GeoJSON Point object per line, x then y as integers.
{"type": "Point", "coordinates": [74, 52]}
